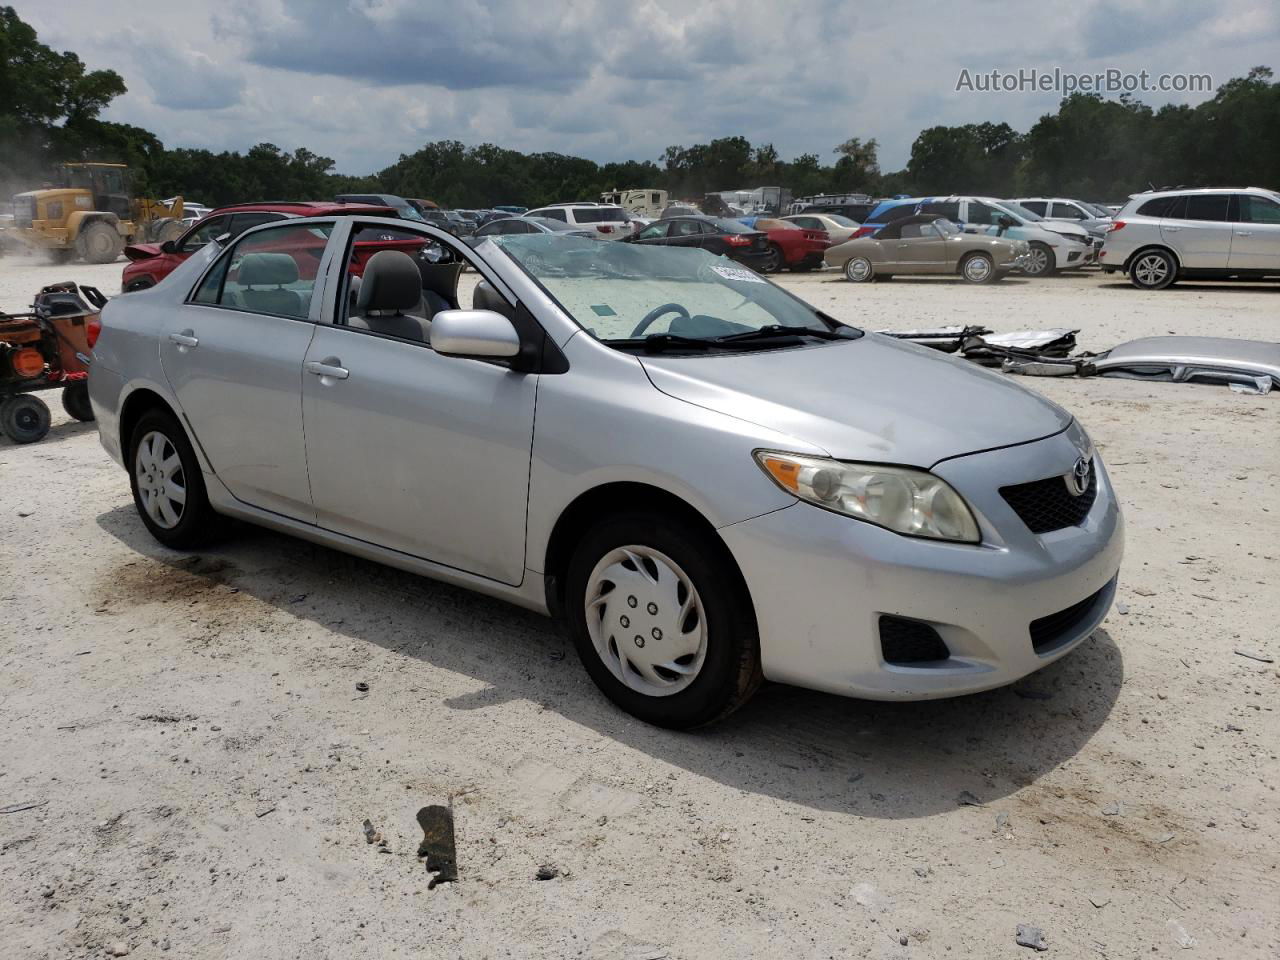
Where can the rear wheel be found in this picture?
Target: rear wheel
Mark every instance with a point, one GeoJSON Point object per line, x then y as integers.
{"type": "Point", "coordinates": [75, 400]}
{"type": "Point", "coordinates": [1153, 270]}
{"type": "Point", "coordinates": [99, 242]}
{"type": "Point", "coordinates": [168, 487]}
{"type": "Point", "coordinates": [978, 268]}
{"type": "Point", "coordinates": [859, 270]}
{"type": "Point", "coordinates": [773, 259]}
{"type": "Point", "coordinates": [660, 622]}
{"type": "Point", "coordinates": [24, 418]}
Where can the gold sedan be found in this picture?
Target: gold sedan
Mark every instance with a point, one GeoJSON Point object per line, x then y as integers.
{"type": "Point", "coordinates": [927, 243]}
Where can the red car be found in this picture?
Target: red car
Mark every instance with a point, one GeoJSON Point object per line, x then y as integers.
{"type": "Point", "coordinates": [792, 246]}
{"type": "Point", "coordinates": [149, 263]}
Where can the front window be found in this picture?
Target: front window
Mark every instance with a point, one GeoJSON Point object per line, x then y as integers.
{"type": "Point", "coordinates": [946, 227]}
{"type": "Point", "coordinates": [622, 293]}
{"type": "Point", "coordinates": [1019, 211]}
{"type": "Point", "coordinates": [1255, 209]}
{"type": "Point", "coordinates": [206, 232]}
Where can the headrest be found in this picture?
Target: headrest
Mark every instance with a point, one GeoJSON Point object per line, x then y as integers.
{"type": "Point", "coordinates": [441, 278]}
{"type": "Point", "coordinates": [484, 297]}
{"type": "Point", "coordinates": [391, 282]}
{"type": "Point", "coordinates": [267, 269]}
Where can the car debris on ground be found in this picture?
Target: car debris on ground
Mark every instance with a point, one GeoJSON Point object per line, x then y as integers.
{"type": "Point", "coordinates": [438, 845]}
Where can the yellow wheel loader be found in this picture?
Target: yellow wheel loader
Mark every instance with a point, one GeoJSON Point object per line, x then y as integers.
{"type": "Point", "coordinates": [89, 212]}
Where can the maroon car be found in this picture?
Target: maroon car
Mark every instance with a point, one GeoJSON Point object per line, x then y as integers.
{"type": "Point", "coordinates": [149, 263]}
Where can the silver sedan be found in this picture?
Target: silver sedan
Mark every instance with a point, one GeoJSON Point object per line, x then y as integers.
{"type": "Point", "coordinates": [711, 482]}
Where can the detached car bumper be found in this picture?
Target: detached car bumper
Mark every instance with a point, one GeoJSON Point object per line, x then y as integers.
{"type": "Point", "coordinates": [827, 587]}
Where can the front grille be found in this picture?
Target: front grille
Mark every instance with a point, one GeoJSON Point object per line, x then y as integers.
{"type": "Point", "coordinates": [1048, 632]}
{"type": "Point", "coordinates": [1048, 505]}
{"type": "Point", "coordinates": [910, 641]}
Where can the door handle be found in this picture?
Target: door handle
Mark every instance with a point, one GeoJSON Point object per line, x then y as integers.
{"type": "Point", "coordinates": [1171, 229]}
{"type": "Point", "coordinates": [1244, 233]}
{"type": "Point", "coordinates": [328, 367]}
{"type": "Point", "coordinates": [186, 338]}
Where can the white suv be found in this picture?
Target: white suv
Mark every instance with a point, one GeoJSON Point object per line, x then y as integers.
{"type": "Point", "coordinates": [1093, 218]}
{"type": "Point", "coordinates": [1210, 234]}
{"type": "Point", "coordinates": [609, 221]}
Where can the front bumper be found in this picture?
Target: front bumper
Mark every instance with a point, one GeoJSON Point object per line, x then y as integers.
{"type": "Point", "coordinates": [820, 583]}
{"type": "Point", "coordinates": [1020, 262]}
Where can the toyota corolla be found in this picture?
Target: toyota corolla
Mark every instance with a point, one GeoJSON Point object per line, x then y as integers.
{"type": "Point", "coordinates": [710, 481]}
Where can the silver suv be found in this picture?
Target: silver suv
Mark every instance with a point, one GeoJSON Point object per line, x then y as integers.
{"type": "Point", "coordinates": [1219, 233]}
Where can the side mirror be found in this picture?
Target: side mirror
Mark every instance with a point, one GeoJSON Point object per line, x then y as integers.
{"type": "Point", "coordinates": [473, 333]}
{"type": "Point", "coordinates": [1006, 222]}
{"type": "Point", "coordinates": [168, 247]}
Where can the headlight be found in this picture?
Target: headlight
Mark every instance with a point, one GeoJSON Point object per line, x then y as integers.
{"type": "Point", "coordinates": [907, 501]}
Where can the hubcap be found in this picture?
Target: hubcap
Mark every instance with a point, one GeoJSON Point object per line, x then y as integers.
{"type": "Point", "coordinates": [1039, 260]}
{"type": "Point", "coordinates": [1151, 270]}
{"type": "Point", "coordinates": [99, 242]}
{"type": "Point", "coordinates": [858, 269]}
{"type": "Point", "coordinates": [645, 620]}
{"type": "Point", "coordinates": [977, 268]}
{"type": "Point", "coordinates": [162, 484]}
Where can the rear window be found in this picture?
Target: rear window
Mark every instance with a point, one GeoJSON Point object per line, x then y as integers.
{"type": "Point", "coordinates": [943, 208]}
{"type": "Point", "coordinates": [896, 213]}
{"type": "Point", "coordinates": [841, 221]}
{"type": "Point", "coordinates": [731, 226]}
{"type": "Point", "coordinates": [1160, 207]}
{"type": "Point", "coordinates": [599, 215]}
{"type": "Point", "coordinates": [1207, 206]}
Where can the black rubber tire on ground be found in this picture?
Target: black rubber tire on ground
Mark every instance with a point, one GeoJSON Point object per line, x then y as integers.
{"type": "Point", "coordinates": [140, 283]}
{"type": "Point", "coordinates": [75, 400]}
{"type": "Point", "coordinates": [730, 672]}
{"type": "Point", "coordinates": [99, 242]}
{"type": "Point", "coordinates": [166, 228]}
{"type": "Point", "coordinates": [1153, 270]}
{"type": "Point", "coordinates": [1043, 259]}
{"type": "Point", "coordinates": [973, 275]}
{"type": "Point", "coordinates": [198, 520]}
{"type": "Point", "coordinates": [775, 260]}
{"type": "Point", "coordinates": [24, 418]}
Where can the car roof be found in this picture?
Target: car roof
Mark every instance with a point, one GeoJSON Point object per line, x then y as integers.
{"type": "Point", "coordinates": [302, 208]}
{"type": "Point", "coordinates": [1180, 191]}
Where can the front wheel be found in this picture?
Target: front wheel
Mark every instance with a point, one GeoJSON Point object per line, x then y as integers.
{"type": "Point", "coordinates": [24, 418]}
{"type": "Point", "coordinates": [168, 487]}
{"type": "Point", "coordinates": [978, 268]}
{"type": "Point", "coordinates": [99, 242]}
{"type": "Point", "coordinates": [1153, 270]}
{"type": "Point", "coordinates": [661, 621]}
{"type": "Point", "coordinates": [1040, 260]}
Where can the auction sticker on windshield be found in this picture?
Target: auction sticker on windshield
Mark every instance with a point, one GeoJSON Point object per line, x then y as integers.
{"type": "Point", "coordinates": [736, 273]}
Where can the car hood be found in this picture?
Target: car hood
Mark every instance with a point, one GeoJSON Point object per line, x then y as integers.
{"type": "Point", "coordinates": [142, 251]}
{"type": "Point", "coordinates": [874, 398]}
{"type": "Point", "coordinates": [1065, 229]}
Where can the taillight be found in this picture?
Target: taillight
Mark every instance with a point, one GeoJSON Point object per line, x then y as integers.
{"type": "Point", "coordinates": [862, 232]}
{"type": "Point", "coordinates": [92, 330]}
{"type": "Point", "coordinates": [604, 228]}
{"type": "Point", "coordinates": [737, 240]}
{"type": "Point", "coordinates": [1115, 225]}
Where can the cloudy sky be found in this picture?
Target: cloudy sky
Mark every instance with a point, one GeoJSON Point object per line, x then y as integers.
{"type": "Point", "coordinates": [363, 81]}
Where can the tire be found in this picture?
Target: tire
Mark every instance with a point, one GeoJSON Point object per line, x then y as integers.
{"type": "Point", "coordinates": [707, 677]}
{"type": "Point", "coordinates": [99, 242]}
{"type": "Point", "coordinates": [1042, 262]}
{"type": "Point", "coordinates": [181, 524]}
{"type": "Point", "coordinates": [141, 283]}
{"type": "Point", "coordinates": [75, 400]}
{"type": "Point", "coordinates": [1153, 270]}
{"type": "Point", "coordinates": [24, 418]}
{"type": "Point", "coordinates": [859, 270]}
{"type": "Point", "coordinates": [774, 260]}
{"type": "Point", "coordinates": [978, 268]}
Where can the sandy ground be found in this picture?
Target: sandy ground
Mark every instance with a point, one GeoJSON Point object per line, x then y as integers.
{"type": "Point", "coordinates": [192, 729]}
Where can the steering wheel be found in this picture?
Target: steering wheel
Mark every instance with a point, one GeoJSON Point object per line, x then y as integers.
{"type": "Point", "coordinates": [657, 312]}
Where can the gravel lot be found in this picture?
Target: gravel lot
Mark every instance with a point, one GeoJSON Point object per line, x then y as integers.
{"type": "Point", "coordinates": [192, 729]}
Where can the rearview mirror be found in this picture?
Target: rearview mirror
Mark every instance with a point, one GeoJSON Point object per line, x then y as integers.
{"type": "Point", "coordinates": [473, 333]}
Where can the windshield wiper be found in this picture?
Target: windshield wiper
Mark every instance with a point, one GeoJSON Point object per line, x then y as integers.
{"type": "Point", "coordinates": [777, 330]}
{"type": "Point", "coordinates": [660, 342]}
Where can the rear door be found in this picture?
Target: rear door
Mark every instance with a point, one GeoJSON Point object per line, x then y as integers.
{"type": "Point", "coordinates": [686, 233]}
{"type": "Point", "coordinates": [1197, 229]}
{"type": "Point", "coordinates": [233, 355]}
{"type": "Point", "coordinates": [1255, 239]}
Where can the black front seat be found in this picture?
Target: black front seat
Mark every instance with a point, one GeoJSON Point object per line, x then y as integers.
{"type": "Point", "coordinates": [391, 287]}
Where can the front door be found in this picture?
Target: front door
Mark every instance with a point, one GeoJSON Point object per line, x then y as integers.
{"type": "Point", "coordinates": [233, 356]}
{"type": "Point", "coordinates": [1198, 231]}
{"type": "Point", "coordinates": [418, 452]}
{"type": "Point", "coordinates": [1255, 236]}
{"type": "Point", "coordinates": [919, 249]}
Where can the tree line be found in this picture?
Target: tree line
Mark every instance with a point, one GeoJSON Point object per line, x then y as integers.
{"type": "Point", "coordinates": [1091, 147]}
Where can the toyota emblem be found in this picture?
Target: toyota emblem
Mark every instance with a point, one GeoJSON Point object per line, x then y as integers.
{"type": "Point", "coordinates": [1078, 478]}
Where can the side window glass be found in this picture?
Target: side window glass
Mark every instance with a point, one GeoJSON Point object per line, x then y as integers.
{"type": "Point", "coordinates": [982, 214]}
{"type": "Point", "coordinates": [206, 232]}
{"type": "Point", "coordinates": [1255, 209]}
{"type": "Point", "coordinates": [912, 231]}
{"type": "Point", "coordinates": [1037, 207]}
{"type": "Point", "coordinates": [686, 228]}
{"type": "Point", "coordinates": [246, 221]}
{"type": "Point", "coordinates": [1202, 206]}
{"type": "Point", "coordinates": [274, 271]}
{"type": "Point", "coordinates": [556, 215]}
{"type": "Point", "coordinates": [653, 232]}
